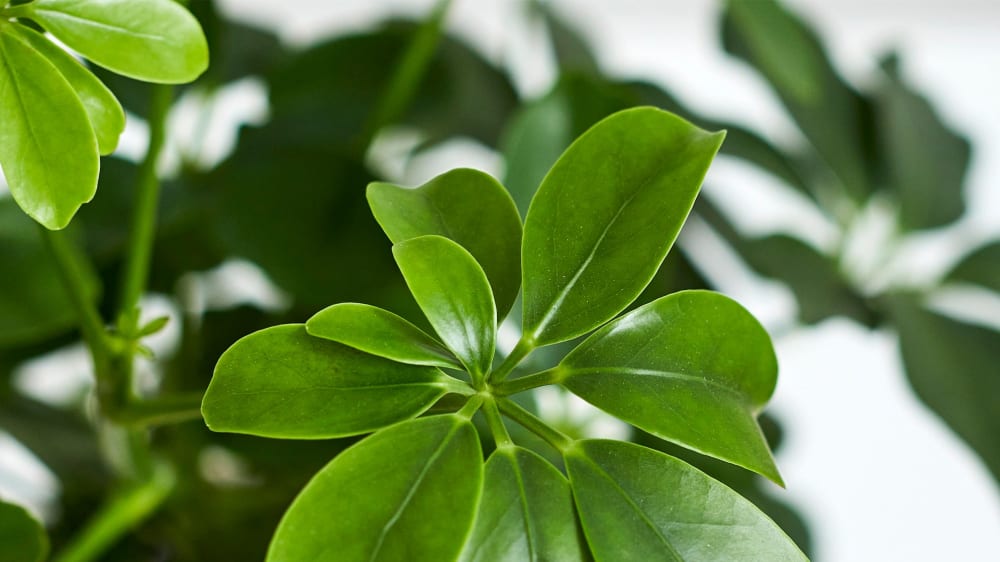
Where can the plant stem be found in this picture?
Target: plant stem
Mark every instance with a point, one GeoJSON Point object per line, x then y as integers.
{"type": "Point", "coordinates": [532, 423]}
{"type": "Point", "coordinates": [123, 511]}
{"type": "Point", "coordinates": [497, 428]}
{"type": "Point", "coordinates": [407, 75]}
{"type": "Point", "coordinates": [471, 407]}
{"type": "Point", "coordinates": [159, 411]}
{"type": "Point", "coordinates": [528, 382]}
{"type": "Point", "coordinates": [140, 247]}
{"type": "Point", "coordinates": [521, 350]}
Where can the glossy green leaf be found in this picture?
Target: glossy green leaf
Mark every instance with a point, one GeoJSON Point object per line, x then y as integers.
{"type": "Point", "coordinates": [467, 206]}
{"type": "Point", "coordinates": [282, 382]}
{"type": "Point", "coordinates": [980, 267]}
{"type": "Point", "coordinates": [409, 492]}
{"type": "Point", "coordinates": [151, 40]}
{"type": "Point", "coordinates": [952, 366]}
{"type": "Point", "coordinates": [526, 514]}
{"type": "Point", "coordinates": [638, 505]}
{"type": "Point", "coordinates": [830, 113]}
{"type": "Point", "coordinates": [454, 294]}
{"type": "Point", "coordinates": [605, 217]}
{"type": "Point", "coordinates": [34, 304]}
{"type": "Point", "coordinates": [379, 332]}
{"type": "Point", "coordinates": [22, 538]}
{"type": "Point", "coordinates": [106, 115]}
{"type": "Point", "coordinates": [926, 160]}
{"type": "Point", "coordinates": [694, 368]}
{"type": "Point", "coordinates": [48, 149]}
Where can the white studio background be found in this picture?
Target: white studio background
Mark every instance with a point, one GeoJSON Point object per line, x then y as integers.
{"type": "Point", "coordinates": [876, 475]}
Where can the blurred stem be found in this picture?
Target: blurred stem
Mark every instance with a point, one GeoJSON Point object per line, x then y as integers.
{"type": "Point", "coordinates": [122, 511]}
{"type": "Point", "coordinates": [406, 76]}
{"type": "Point", "coordinates": [162, 410]}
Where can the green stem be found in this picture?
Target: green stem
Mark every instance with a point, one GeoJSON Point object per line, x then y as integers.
{"type": "Point", "coordinates": [554, 375]}
{"type": "Point", "coordinates": [471, 407]}
{"type": "Point", "coordinates": [163, 410]}
{"type": "Point", "coordinates": [118, 516]}
{"type": "Point", "coordinates": [140, 248]}
{"type": "Point", "coordinates": [407, 75]}
{"type": "Point", "coordinates": [497, 428]}
{"type": "Point", "coordinates": [521, 350]}
{"type": "Point", "coordinates": [532, 423]}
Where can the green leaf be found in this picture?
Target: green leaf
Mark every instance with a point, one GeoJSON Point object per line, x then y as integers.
{"type": "Point", "coordinates": [790, 56]}
{"type": "Point", "coordinates": [151, 40]}
{"type": "Point", "coordinates": [381, 333]}
{"type": "Point", "coordinates": [48, 149]}
{"type": "Point", "coordinates": [980, 267]}
{"type": "Point", "coordinates": [526, 513]}
{"type": "Point", "coordinates": [605, 217]}
{"type": "Point", "coordinates": [926, 160]}
{"type": "Point", "coordinates": [22, 538]}
{"type": "Point", "coordinates": [952, 366]}
{"type": "Point", "coordinates": [409, 492]}
{"type": "Point", "coordinates": [694, 368]}
{"type": "Point", "coordinates": [467, 206]}
{"type": "Point", "coordinates": [282, 382]}
{"type": "Point", "coordinates": [34, 304]}
{"type": "Point", "coordinates": [454, 294]}
{"type": "Point", "coordinates": [106, 115]}
{"type": "Point", "coordinates": [639, 504]}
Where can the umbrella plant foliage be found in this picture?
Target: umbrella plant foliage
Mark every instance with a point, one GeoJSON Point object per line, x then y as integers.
{"type": "Point", "coordinates": [58, 118]}
{"type": "Point", "coordinates": [693, 368]}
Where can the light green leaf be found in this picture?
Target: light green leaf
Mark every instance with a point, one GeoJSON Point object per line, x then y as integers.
{"type": "Point", "coordinates": [454, 294]}
{"type": "Point", "coordinates": [409, 492]}
{"type": "Point", "coordinates": [605, 217]}
{"type": "Point", "coordinates": [151, 40]}
{"type": "Point", "coordinates": [637, 504]}
{"type": "Point", "coordinates": [106, 115]}
{"type": "Point", "coordinates": [526, 514]}
{"type": "Point", "coordinates": [282, 382]}
{"type": "Point", "coordinates": [694, 368]}
{"type": "Point", "coordinates": [34, 304]}
{"type": "Point", "coordinates": [467, 206]}
{"type": "Point", "coordinates": [980, 267]}
{"type": "Point", "coordinates": [952, 366]}
{"type": "Point", "coordinates": [48, 149]}
{"type": "Point", "coordinates": [379, 332]}
{"type": "Point", "coordinates": [22, 538]}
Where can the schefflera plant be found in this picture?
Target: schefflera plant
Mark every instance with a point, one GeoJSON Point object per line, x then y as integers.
{"type": "Point", "coordinates": [693, 368]}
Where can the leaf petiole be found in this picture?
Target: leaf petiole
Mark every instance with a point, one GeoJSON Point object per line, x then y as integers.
{"type": "Point", "coordinates": [529, 421]}
{"type": "Point", "coordinates": [554, 375]}
{"type": "Point", "coordinates": [495, 421]}
{"type": "Point", "coordinates": [471, 407]}
{"type": "Point", "coordinates": [524, 347]}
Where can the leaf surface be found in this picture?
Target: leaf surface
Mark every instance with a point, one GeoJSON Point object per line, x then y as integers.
{"type": "Point", "coordinates": [693, 368]}
{"type": "Point", "coordinates": [605, 216]}
{"type": "Point", "coordinates": [454, 294]}
{"type": "Point", "coordinates": [980, 267]}
{"type": "Point", "coordinates": [526, 513]}
{"type": "Point", "coordinates": [22, 538]}
{"type": "Point", "coordinates": [409, 492]}
{"type": "Point", "coordinates": [48, 149]}
{"type": "Point", "coordinates": [379, 332]}
{"type": "Point", "coordinates": [639, 505]}
{"type": "Point", "coordinates": [151, 40]}
{"type": "Point", "coordinates": [467, 206]}
{"type": "Point", "coordinates": [282, 382]}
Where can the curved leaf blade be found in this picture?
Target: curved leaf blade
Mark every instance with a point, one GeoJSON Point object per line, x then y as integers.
{"type": "Point", "coordinates": [151, 40]}
{"type": "Point", "coordinates": [409, 492]}
{"type": "Point", "coordinates": [693, 368]}
{"type": "Point", "coordinates": [22, 538]}
{"type": "Point", "coordinates": [452, 290]}
{"type": "Point", "coordinates": [281, 382]}
{"type": "Point", "coordinates": [980, 267]}
{"type": "Point", "coordinates": [526, 514]}
{"type": "Point", "coordinates": [467, 206]}
{"type": "Point", "coordinates": [605, 216]}
{"type": "Point", "coordinates": [637, 504]}
{"type": "Point", "coordinates": [48, 149]}
{"type": "Point", "coordinates": [106, 115]}
{"type": "Point", "coordinates": [379, 332]}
